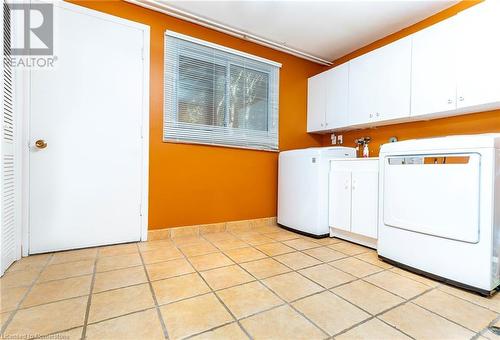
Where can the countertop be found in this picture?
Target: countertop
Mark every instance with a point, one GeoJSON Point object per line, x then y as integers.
{"type": "Point", "coordinates": [355, 159]}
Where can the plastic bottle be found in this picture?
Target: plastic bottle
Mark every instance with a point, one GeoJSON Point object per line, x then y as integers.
{"type": "Point", "coordinates": [366, 151]}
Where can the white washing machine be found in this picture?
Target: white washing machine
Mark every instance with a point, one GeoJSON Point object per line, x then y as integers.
{"type": "Point", "coordinates": [303, 188]}
{"type": "Point", "coordinates": [440, 208]}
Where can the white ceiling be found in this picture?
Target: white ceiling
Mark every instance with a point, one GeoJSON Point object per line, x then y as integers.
{"type": "Point", "coordinates": [324, 29]}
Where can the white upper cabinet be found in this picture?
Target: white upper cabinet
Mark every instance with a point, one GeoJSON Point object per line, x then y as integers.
{"type": "Point", "coordinates": [362, 88]}
{"type": "Point", "coordinates": [379, 84]}
{"type": "Point", "coordinates": [316, 103]}
{"type": "Point", "coordinates": [478, 66]}
{"type": "Point", "coordinates": [394, 85]}
{"type": "Point", "coordinates": [337, 97]}
{"type": "Point", "coordinates": [433, 79]}
{"type": "Point", "coordinates": [450, 68]}
{"type": "Point", "coordinates": [327, 100]}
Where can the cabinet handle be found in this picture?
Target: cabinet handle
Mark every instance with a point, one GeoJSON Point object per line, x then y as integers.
{"type": "Point", "coordinates": [326, 124]}
{"type": "Point", "coordinates": [461, 98]}
{"type": "Point", "coordinates": [377, 114]}
{"type": "Point", "coordinates": [321, 124]}
{"type": "Point", "coordinates": [371, 115]}
{"type": "Point", "coordinates": [450, 101]}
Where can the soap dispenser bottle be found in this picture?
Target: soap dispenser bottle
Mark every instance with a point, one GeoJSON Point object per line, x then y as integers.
{"type": "Point", "coordinates": [366, 151]}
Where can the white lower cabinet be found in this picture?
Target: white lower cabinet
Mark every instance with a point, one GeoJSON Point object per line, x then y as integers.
{"type": "Point", "coordinates": [353, 197]}
{"type": "Point", "coordinates": [340, 193]}
{"type": "Point", "coordinates": [364, 202]}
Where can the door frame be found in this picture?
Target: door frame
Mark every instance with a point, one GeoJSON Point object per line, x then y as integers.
{"type": "Point", "coordinates": [23, 80]}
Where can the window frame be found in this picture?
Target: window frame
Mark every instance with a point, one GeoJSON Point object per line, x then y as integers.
{"type": "Point", "coordinates": [272, 115]}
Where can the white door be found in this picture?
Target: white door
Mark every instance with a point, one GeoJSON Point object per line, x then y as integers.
{"type": "Point", "coordinates": [434, 82]}
{"type": "Point", "coordinates": [316, 102]}
{"type": "Point", "coordinates": [478, 66]}
{"type": "Point", "coordinates": [85, 185]}
{"type": "Point", "coordinates": [365, 203]}
{"type": "Point", "coordinates": [340, 200]}
{"type": "Point", "coordinates": [337, 97]}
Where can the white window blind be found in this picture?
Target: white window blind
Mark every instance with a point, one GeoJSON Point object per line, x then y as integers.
{"type": "Point", "coordinates": [215, 95]}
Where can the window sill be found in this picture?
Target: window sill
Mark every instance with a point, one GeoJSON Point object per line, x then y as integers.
{"type": "Point", "coordinates": [219, 145]}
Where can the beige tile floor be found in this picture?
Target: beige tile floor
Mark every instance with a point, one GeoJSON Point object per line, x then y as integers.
{"type": "Point", "coordinates": [261, 283]}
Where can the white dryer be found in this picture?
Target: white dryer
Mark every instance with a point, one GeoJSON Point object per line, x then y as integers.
{"type": "Point", "coordinates": [440, 208]}
{"type": "Point", "coordinates": [303, 188]}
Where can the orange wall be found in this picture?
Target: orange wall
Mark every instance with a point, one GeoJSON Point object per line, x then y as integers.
{"type": "Point", "coordinates": [194, 184]}
{"type": "Point", "coordinates": [467, 124]}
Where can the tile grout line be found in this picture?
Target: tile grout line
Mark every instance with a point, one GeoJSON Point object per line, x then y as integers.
{"type": "Point", "coordinates": [373, 316]}
{"type": "Point", "coordinates": [463, 299]}
{"type": "Point", "coordinates": [296, 271]}
{"type": "Point", "coordinates": [292, 270]}
{"type": "Point", "coordinates": [455, 322]}
{"type": "Point", "coordinates": [411, 300]}
{"type": "Point", "coordinates": [290, 303]}
{"type": "Point", "coordinates": [72, 277]}
{"type": "Point", "coordinates": [212, 329]}
{"type": "Point", "coordinates": [28, 291]}
{"type": "Point", "coordinates": [219, 299]}
{"type": "Point", "coordinates": [437, 287]}
{"type": "Point", "coordinates": [89, 300]}
{"type": "Point", "coordinates": [155, 300]}
{"type": "Point", "coordinates": [256, 280]}
{"type": "Point", "coordinates": [286, 302]}
{"type": "Point", "coordinates": [260, 281]}
{"type": "Point", "coordinates": [324, 262]}
{"type": "Point", "coordinates": [306, 296]}
{"type": "Point", "coordinates": [405, 300]}
{"type": "Point", "coordinates": [95, 323]}
{"type": "Point", "coordinates": [486, 329]}
{"type": "Point", "coordinates": [329, 289]}
{"type": "Point", "coordinates": [54, 301]}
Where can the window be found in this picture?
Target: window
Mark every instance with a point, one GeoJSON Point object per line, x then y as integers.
{"type": "Point", "coordinates": [215, 95]}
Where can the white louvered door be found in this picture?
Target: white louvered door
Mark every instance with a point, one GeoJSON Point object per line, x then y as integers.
{"type": "Point", "coordinates": [10, 246]}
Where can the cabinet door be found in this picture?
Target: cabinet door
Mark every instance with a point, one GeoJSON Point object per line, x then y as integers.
{"type": "Point", "coordinates": [365, 203]}
{"type": "Point", "coordinates": [337, 95]}
{"type": "Point", "coordinates": [316, 102]}
{"type": "Point", "coordinates": [393, 80]}
{"type": "Point", "coordinates": [340, 200]}
{"type": "Point", "coordinates": [379, 84]}
{"type": "Point", "coordinates": [478, 66]}
{"type": "Point", "coordinates": [362, 89]}
{"type": "Point", "coordinates": [433, 79]}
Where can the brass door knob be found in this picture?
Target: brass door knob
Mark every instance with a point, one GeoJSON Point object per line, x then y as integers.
{"type": "Point", "coordinates": [41, 144]}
